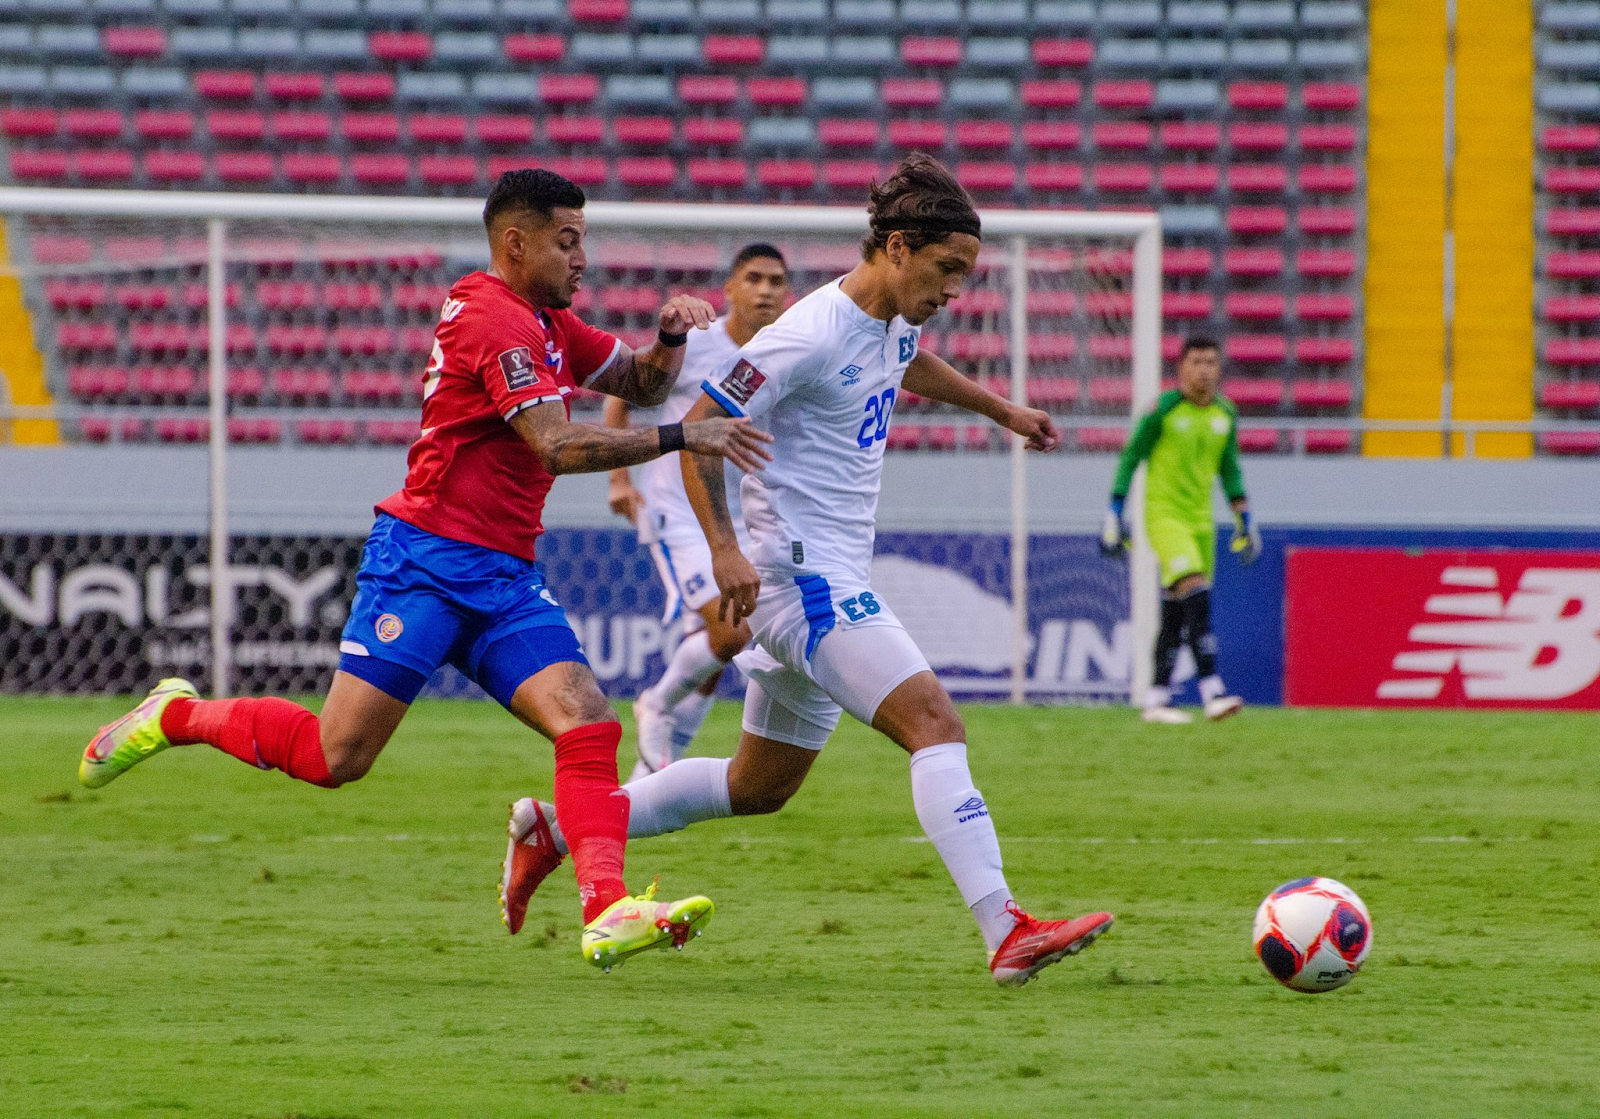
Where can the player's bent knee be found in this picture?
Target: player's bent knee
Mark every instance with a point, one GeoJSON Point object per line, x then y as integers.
{"type": "Point", "coordinates": [347, 761]}
{"type": "Point", "coordinates": [761, 801]}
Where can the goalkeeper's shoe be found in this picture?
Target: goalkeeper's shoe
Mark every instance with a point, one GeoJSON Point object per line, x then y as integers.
{"type": "Point", "coordinates": [1034, 945]}
{"type": "Point", "coordinates": [530, 857]}
{"type": "Point", "coordinates": [131, 739]}
{"type": "Point", "coordinates": [631, 925]}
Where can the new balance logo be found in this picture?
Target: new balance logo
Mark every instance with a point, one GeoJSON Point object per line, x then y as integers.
{"type": "Point", "coordinates": [971, 810]}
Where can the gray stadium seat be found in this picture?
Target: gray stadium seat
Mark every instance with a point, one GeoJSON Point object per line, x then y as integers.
{"type": "Point", "coordinates": [1197, 15]}
{"type": "Point", "coordinates": [931, 13]}
{"type": "Point", "coordinates": [982, 93]}
{"type": "Point", "coordinates": [1128, 53]}
{"type": "Point", "coordinates": [1570, 17]}
{"type": "Point", "coordinates": [268, 43]}
{"type": "Point", "coordinates": [68, 39]}
{"type": "Point", "coordinates": [1563, 97]}
{"type": "Point", "coordinates": [780, 132]}
{"type": "Point", "coordinates": [466, 46]}
{"type": "Point", "coordinates": [1190, 220]}
{"type": "Point", "coordinates": [533, 10]}
{"type": "Point", "coordinates": [193, 7]}
{"type": "Point", "coordinates": [1188, 95]}
{"type": "Point", "coordinates": [505, 89]}
{"type": "Point", "coordinates": [329, 10]}
{"type": "Point", "coordinates": [798, 50]}
{"type": "Point", "coordinates": [1196, 54]}
{"type": "Point", "coordinates": [863, 13]}
{"type": "Point", "coordinates": [1333, 14]}
{"type": "Point", "coordinates": [1273, 15]}
{"type": "Point", "coordinates": [1327, 53]}
{"type": "Point", "coordinates": [1560, 54]}
{"type": "Point", "coordinates": [681, 50]}
{"type": "Point", "coordinates": [990, 51]}
{"type": "Point", "coordinates": [472, 13]}
{"type": "Point", "coordinates": [842, 93]}
{"type": "Point", "coordinates": [125, 7]}
{"type": "Point", "coordinates": [82, 80]}
{"type": "Point", "coordinates": [1141, 15]}
{"type": "Point", "coordinates": [430, 86]}
{"type": "Point", "coordinates": [335, 45]}
{"type": "Point", "coordinates": [1052, 14]}
{"type": "Point", "coordinates": [202, 42]}
{"type": "Point", "coordinates": [662, 11]}
{"type": "Point", "coordinates": [735, 13]}
{"type": "Point", "coordinates": [624, 89]}
{"type": "Point", "coordinates": [1008, 14]}
{"type": "Point", "coordinates": [21, 79]}
{"type": "Point", "coordinates": [155, 81]}
{"type": "Point", "coordinates": [1260, 54]}
{"type": "Point", "coordinates": [261, 7]}
{"type": "Point", "coordinates": [600, 50]}
{"type": "Point", "coordinates": [864, 50]}
{"type": "Point", "coordinates": [396, 9]}
{"type": "Point", "coordinates": [53, 7]}
{"type": "Point", "coordinates": [15, 38]}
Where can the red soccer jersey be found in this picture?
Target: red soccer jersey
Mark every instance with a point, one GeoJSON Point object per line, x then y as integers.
{"type": "Point", "coordinates": [469, 475]}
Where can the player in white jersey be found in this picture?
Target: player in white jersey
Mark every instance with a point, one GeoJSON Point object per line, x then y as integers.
{"type": "Point", "coordinates": [669, 714]}
{"type": "Point", "coordinates": [824, 379]}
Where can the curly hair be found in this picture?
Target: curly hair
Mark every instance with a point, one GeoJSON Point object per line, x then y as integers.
{"type": "Point", "coordinates": [922, 201]}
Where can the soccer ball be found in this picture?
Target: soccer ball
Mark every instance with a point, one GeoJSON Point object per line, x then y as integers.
{"type": "Point", "coordinates": [1312, 934]}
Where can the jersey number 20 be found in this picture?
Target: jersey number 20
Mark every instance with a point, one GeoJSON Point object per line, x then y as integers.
{"type": "Point", "coordinates": [876, 426]}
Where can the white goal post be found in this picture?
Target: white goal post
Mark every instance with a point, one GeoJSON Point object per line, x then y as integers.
{"type": "Point", "coordinates": [1009, 232]}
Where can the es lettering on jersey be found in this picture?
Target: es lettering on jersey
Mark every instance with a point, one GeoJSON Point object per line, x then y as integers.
{"type": "Point", "coordinates": [469, 475]}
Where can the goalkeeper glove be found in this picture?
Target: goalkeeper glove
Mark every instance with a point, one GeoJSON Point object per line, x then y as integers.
{"type": "Point", "coordinates": [1246, 537]}
{"type": "Point", "coordinates": [1114, 535]}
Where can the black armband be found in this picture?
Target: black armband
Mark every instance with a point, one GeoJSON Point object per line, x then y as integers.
{"type": "Point", "coordinates": [671, 438]}
{"type": "Point", "coordinates": [671, 341]}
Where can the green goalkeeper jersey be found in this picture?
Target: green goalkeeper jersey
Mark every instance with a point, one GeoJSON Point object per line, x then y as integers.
{"type": "Point", "coordinates": [1188, 447]}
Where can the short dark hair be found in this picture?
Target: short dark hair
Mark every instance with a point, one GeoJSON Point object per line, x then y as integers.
{"type": "Point", "coordinates": [531, 188]}
{"type": "Point", "coordinates": [923, 202]}
{"type": "Point", "coordinates": [757, 250]}
{"type": "Point", "coordinates": [1197, 342]}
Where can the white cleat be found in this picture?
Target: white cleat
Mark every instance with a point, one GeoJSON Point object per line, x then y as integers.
{"type": "Point", "coordinates": [654, 738]}
{"type": "Point", "coordinates": [1223, 706]}
{"type": "Point", "coordinates": [1169, 715]}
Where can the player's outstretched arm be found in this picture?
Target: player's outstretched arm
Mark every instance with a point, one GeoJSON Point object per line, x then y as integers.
{"type": "Point", "coordinates": [646, 377]}
{"type": "Point", "coordinates": [937, 379]}
{"type": "Point", "coordinates": [569, 448]}
{"type": "Point", "coordinates": [703, 481]}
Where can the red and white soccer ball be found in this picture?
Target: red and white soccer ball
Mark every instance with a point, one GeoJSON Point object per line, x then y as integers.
{"type": "Point", "coordinates": [1312, 934]}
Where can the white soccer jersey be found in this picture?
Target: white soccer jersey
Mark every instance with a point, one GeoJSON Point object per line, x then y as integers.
{"type": "Point", "coordinates": [823, 380]}
{"type": "Point", "coordinates": [661, 480]}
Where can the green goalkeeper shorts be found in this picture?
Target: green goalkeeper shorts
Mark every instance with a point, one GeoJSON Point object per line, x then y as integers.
{"type": "Point", "coordinates": [1182, 549]}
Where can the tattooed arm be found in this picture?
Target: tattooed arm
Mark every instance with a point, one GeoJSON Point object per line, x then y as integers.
{"type": "Point", "coordinates": [569, 448]}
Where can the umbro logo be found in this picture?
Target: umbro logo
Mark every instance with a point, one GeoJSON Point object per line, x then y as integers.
{"type": "Point", "coordinates": [849, 375]}
{"type": "Point", "coordinates": [971, 810]}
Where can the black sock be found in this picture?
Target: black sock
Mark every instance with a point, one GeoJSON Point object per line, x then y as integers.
{"type": "Point", "coordinates": [1168, 641]}
{"type": "Point", "coordinates": [1196, 607]}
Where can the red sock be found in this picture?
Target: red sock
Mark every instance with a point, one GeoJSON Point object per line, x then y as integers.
{"type": "Point", "coordinates": [593, 812]}
{"type": "Point", "coordinates": [267, 733]}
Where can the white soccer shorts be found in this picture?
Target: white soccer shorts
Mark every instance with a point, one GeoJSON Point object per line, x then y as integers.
{"type": "Point", "coordinates": [683, 563]}
{"type": "Point", "coordinates": [821, 647]}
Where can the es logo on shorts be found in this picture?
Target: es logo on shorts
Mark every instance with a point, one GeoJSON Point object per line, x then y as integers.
{"type": "Point", "coordinates": [742, 382]}
{"type": "Point", "coordinates": [517, 365]}
{"type": "Point", "coordinates": [388, 628]}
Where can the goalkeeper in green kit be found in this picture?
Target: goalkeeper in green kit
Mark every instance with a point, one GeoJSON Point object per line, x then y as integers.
{"type": "Point", "coordinates": [1190, 439]}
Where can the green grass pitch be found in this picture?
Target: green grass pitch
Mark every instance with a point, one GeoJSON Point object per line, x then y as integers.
{"type": "Point", "coordinates": [202, 939]}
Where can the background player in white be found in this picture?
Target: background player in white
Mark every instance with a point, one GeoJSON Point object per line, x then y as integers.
{"type": "Point", "coordinates": [669, 714]}
{"type": "Point", "coordinates": [823, 379]}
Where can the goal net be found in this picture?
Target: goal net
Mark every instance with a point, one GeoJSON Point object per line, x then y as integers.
{"type": "Point", "coordinates": [239, 376]}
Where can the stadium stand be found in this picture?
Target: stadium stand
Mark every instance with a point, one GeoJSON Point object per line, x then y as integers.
{"type": "Point", "coordinates": [1240, 121]}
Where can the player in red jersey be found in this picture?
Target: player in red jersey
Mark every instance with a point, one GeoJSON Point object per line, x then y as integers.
{"type": "Point", "coordinates": [448, 573]}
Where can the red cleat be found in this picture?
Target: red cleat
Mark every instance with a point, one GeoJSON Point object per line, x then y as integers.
{"type": "Point", "coordinates": [530, 857]}
{"type": "Point", "coordinates": [1034, 945]}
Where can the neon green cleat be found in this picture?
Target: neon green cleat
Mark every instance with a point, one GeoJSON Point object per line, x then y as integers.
{"type": "Point", "coordinates": [131, 739]}
{"type": "Point", "coordinates": [632, 925]}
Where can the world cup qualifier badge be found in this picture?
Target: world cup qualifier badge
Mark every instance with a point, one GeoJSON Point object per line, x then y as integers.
{"type": "Point", "coordinates": [742, 382]}
{"type": "Point", "coordinates": [517, 365]}
{"type": "Point", "coordinates": [388, 628]}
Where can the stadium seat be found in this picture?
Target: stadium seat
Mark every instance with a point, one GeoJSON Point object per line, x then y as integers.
{"type": "Point", "coordinates": [1328, 441]}
{"type": "Point", "coordinates": [236, 125]}
{"type": "Point", "coordinates": [984, 134]}
{"type": "Point", "coordinates": [1575, 395]}
{"type": "Point", "coordinates": [369, 128]}
{"type": "Point", "coordinates": [1051, 94]}
{"type": "Point", "coordinates": [525, 48]}
{"type": "Point", "coordinates": [786, 174]}
{"type": "Point", "coordinates": [1253, 305]}
{"type": "Point", "coordinates": [850, 174]}
{"type": "Point", "coordinates": [282, 85]}
{"type": "Point", "coordinates": [776, 92]}
{"type": "Point", "coordinates": [134, 42]}
{"type": "Point", "coordinates": [1337, 220]}
{"type": "Point", "coordinates": [646, 172]}
{"type": "Point", "coordinates": [984, 176]}
{"type": "Point", "coordinates": [437, 128]}
{"type": "Point", "coordinates": [312, 167]}
{"type": "Point", "coordinates": [1313, 395]}
{"type": "Point", "coordinates": [164, 124]}
{"type": "Point", "coordinates": [1571, 180]}
{"type": "Point", "coordinates": [1258, 95]}
{"type": "Point", "coordinates": [733, 50]}
{"type": "Point", "coordinates": [1198, 136]}
{"type": "Point", "coordinates": [1190, 178]}
{"type": "Point", "coordinates": [28, 123]}
{"type": "Point", "coordinates": [92, 124]}
{"type": "Point", "coordinates": [255, 430]}
{"type": "Point", "coordinates": [391, 432]}
{"type": "Point", "coordinates": [1575, 222]}
{"type": "Point", "coordinates": [1258, 178]}
{"type": "Point", "coordinates": [1329, 138]}
{"type": "Point", "coordinates": [1122, 178]}
{"type": "Point", "coordinates": [180, 430]}
{"type": "Point", "coordinates": [709, 132]}
{"type": "Point", "coordinates": [1570, 138]}
{"type": "Point", "coordinates": [1258, 440]}
{"type": "Point", "coordinates": [364, 86]}
{"type": "Point", "coordinates": [1319, 178]}
{"type": "Point", "coordinates": [930, 51]}
{"type": "Point", "coordinates": [1136, 94]}
{"type": "Point", "coordinates": [1187, 262]}
{"type": "Point", "coordinates": [1257, 219]}
{"type": "Point", "coordinates": [1256, 348]}
{"type": "Point", "coordinates": [1253, 262]}
{"type": "Point", "coordinates": [575, 129]}
{"type": "Point", "coordinates": [1121, 135]}
{"type": "Point", "coordinates": [326, 432]}
{"type": "Point", "coordinates": [642, 131]}
{"type": "Point", "coordinates": [1101, 440]}
{"type": "Point", "coordinates": [1580, 265]}
{"type": "Point", "coordinates": [1329, 263]}
{"type": "Point", "coordinates": [838, 132]}
{"type": "Point", "coordinates": [399, 46]}
{"type": "Point", "coordinates": [925, 134]}
{"type": "Point", "coordinates": [1187, 96]}
{"type": "Point", "coordinates": [1572, 351]}
{"type": "Point", "coordinates": [1312, 307]}
{"type": "Point", "coordinates": [300, 126]}
{"type": "Point", "coordinates": [372, 386]}
{"type": "Point", "coordinates": [568, 89]}
{"type": "Point", "coordinates": [1570, 442]}
{"type": "Point", "coordinates": [1258, 136]}
{"type": "Point", "coordinates": [1063, 52]}
{"type": "Point", "coordinates": [708, 90]}
{"type": "Point", "coordinates": [1331, 96]}
{"type": "Point", "coordinates": [912, 93]}
{"type": "Point", "coordinates": [1051, 135]}
{"type": "Point", "coordinates": [1324, 351]}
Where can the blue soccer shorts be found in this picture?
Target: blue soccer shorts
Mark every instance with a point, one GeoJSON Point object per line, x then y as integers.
{"type": "Point", "coordinates": [423, 601]}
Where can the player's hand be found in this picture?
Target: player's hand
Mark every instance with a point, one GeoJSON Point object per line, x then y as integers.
{"type": "Point", "coordinates": [1036, 427]}
{"type": "Point", "coordinates": [737, 581]}
{"type": "Point", "coordinates": [625, 500]}
{"type": "Point", "coordinates": [1246, 543]}
{"type": "Point", "coordinates": [683, 311]}
{"type": "Point", "coordinates": [730, 437]}
{"type": "Point", "coordinates": [1114, 534]}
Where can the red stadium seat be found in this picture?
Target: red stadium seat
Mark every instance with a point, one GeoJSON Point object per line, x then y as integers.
{"type": "Point", "coordinates": [174, 167]}
{"type": "Point", "coordinates": [298, 339]}
{"type": "Point", "coordinates": [245, 381]}
{"type": "Point", "coordinates": [534, 48]}
{"type": "Point", "coordinates": [1186, 304]}
{"type": "Point", "coordinates": [1265, 178]}
{"type": "Point", "coordinates": [568, 89]}
{"type": "Point", "coordinates": [647, 171]}
{"type": "Point", "coordinates": [1122, 178]}
{"type": "Point", "coordinates": [902, 438]}
{"type": "Point", "coordinates": [1564, 394]}
{"type": "Point", "coordinates": [575, 130]}
{"type": "Point", "coordinates": [931, 51]}
{"type": "Point", "coordinates": [1570, 442]}
{"type": "Point", "coordinates": [583, 170]}
{"type": "Point", "coordinates": [978, 175]}
{"type": "Point", "coordinates": [363, 86]}
{"type": "Point", "coordinates": [366, 340]}
{"type": "Point", "coordinates": [1572, 180]}
{"type": "Point", "coordinates": [1328, 138]}
{"type": "Point", "coordinates": [56, 249]}
{"type": "Point", "coordinates": [236, 125]}
{"type": "Point", "coordinates": [352, 296]}
{"type": "Point", "coordinates": [178, 430]}
{"type": "Point", "coordinates": [92, 124]}
{"type": "Point", "coordinates": [780, 174]}
{"type": "Point", "coordinates": [379, 168]}
{"type": "Point", "coordinates": [493, 129]}
{"type": "Point", "coordinates": [1051, 135]}
{"type": "Point", "coordinates": [1256, 348]}
{"type": "Point", "coordinates": [643, 131]}
{"type": "Point", "coordinates": [373, 385]}
{"type": "Point", "coordinates": [311, 167]}
{"type": "Point", "coordinates": [300, 126]}
{"type": "Point", "coordinates": [1115, 304]}
{"type": "Point", "coordinates": [1258, 440]}
{"type": "Point", "coordinates": [1572, 351]}
{"type": "Point", "coordinates": [1324, 351]}
{"type": "Point", "coordinates": [1572, 308]}
{"type": "Point", "coordinates": [1583, 222]}
{"type": "Point", "coordinates": [1187, 262]}
{"type": "Point", "coordinates": [1335, 96]}
{"type": "Point", "coordinates": [770, 92]}
{"type": "Point", "coordinates": [598, 11]}
{"type": "Point", "coordinates": [165, 380]}
{"type": "Point", "coordinates": [1258, 95]}
{"type": "Point", "coordinates": [1063, 52]}
{"type": "Point", "coordinates": [1260, 136]}
{"type": "Point", "coordinates": [1570, 138]}
{"type": "Point", "coordinates": [1335, 308]}
{"type": "Point", "coordinates": [984, 134]}
{"type": "Point", "coordinates": [1053, 176]}
{"type": "Point", "coordinates": [20, 123]}
{"type": "Point", "coordinates": [437, 128]}
{"type": "Point", "coordinates": [850, 174]}
{"type": "Point", "coordinates": [1310, 395]}
{"type": "Point", "coordinates": [1332, 263]}
{"type": "Point", "coordinates": [288, 86]}
{"type": "Point", "coordinates": [95, 382]}
{"type": "Point", "coordinates": [291, 295]}
{"type": "Point", "coordinates": [399, 46]}
{"type": "Point", "coordinates": [423, 298]}
{"type": "Point", "coordinates": [1059, 94]}
{"type": "Point", "coordinates": [197, 296]}
{"type": "Point", "coordinates": [1328, 441]}
{"type": "Point", "coordinates": [370, 128]}
{"type": "Point", "coordinates": [708, 90]}
{"type": "Point", "coordinates": [76, 295]}
{"type": "Point", "coordinates": [391, 432]}
{"type": "Point", "coordinates": [1337, 220]}
{"type": "Point", "coordinates": [1056, 347]}
{"type": "Point", "coordinates": [733, 50]}
{"type": "Point", "coordinates": [164, 124]}
{"type": "Point", "coordinates": [103, 165]}
{"type": "Point", "coordinates": [326, 432]}
{"type": "Point", "coordinates": [840, 133]}
{"type": "Point", "coordinates": [134, 42]}
{"type": "Point", "coordinates": [303, 384]}
{"type": "Point", "coordinates": [447, 170]}
{"type": "Point", "coordinates": [225, 85]}
{"type": "Point", "coordinates": [1253, 305]}
{"type": "Point", "coordinates": [143, 297]}
{"type": "Point", "coordinates": [1190, 135]}
{"type": "Point", "coordinates": [1137, 94]}
{"type": "Point", "coordinates": [1119, 135]}
{"type": "Point", "coordinates": [1101, 440]}
{"type": "Point", "coordinates": [913, 93]}
{"type": "Point", "coordinates": [1110, 392]}
{"type": "Point", "coordinates": [254, 430]}
{"type": "Point", "coordinates": [718, 132]}
{"type": "Point", "coordinates": [1257, 219]}
{"type": "Point", "coordinates": [917, 133]}
{"type": "Point", "coordinates": [1328, 178]}
{"type": "Point", "coordinates": [1190, 178]}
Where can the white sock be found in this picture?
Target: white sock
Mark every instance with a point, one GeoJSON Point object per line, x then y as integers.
{"type": "Point", "coordinates": [692, 664]}
{"type": "Point", "coordinates": [1211, 687]}
{"type": "Point", "coordinates": [1157, 696]}
{"type": "Point", "coordinates": [955, 818]}
{"type": "Point", "coordinates": [687, 718]}
{"type": "Point", "coordinates": [672, 798]}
